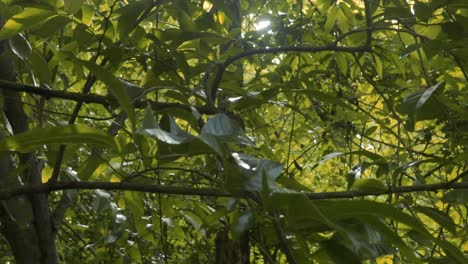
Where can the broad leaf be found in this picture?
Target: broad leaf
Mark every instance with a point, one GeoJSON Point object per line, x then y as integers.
{"type": "Point", "coordinates": [440, 217]}
{"type": "Point", "coordinates": [20, 46]}
{"type": "Point", "coordinates": [426, 95]}
{"type": "Point", "coordinates": [456, 196]}
{"type": "Point", "coordinates": [37, 137]}
{"type": "Point", "coordinates": [175, 135]}
{"type": "Point", "coordinates": [423, 105]}
{"type": "Point", "coordinates": [226, 128]}
{"type": "Point", "coordinates": [28, 18]}
{"type": "Point", "coordinates": [129, 17]}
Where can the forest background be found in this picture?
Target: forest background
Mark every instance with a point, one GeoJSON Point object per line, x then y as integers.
{"type": "Point", "coordinates": [282, 131]}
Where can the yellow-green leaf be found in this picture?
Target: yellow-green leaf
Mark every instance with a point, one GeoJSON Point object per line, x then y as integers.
{"type": "Point", "coordinates": [29, 17]}
{"type": "Point", "coordinates": [37, 137]}
{"type": "Point", "coordinates": [369, 185]}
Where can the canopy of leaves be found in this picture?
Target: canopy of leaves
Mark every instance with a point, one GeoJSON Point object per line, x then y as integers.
{"type": "Point", "coordinates": [281, 106]}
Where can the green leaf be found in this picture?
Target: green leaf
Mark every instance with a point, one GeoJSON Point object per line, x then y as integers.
{"type": "Point", "coordinates": [40, 67]}
{"type": "Point", "coordinates": [129, 17]}
{"type": "Point", "coordinates": [332, 15]}
{"type": "Point", "coordinates": [339, 253]}
{"type": "Point", "coordinates": [329, 156]}
{"type": "Point", "coordinates": [28, 18]}
{"type": "Point", "coordinates": [293, 184]}
{"type": "Point", "coordinates": [423, 11]}
{"type": "Point", "coordinates": [336, 210]}
{"type": "Point", "coordinates": [343, 209]}
{"type": "Point", "coordinates": [423, 105]}
{"type": "Point", "coordinates": [340, 59]}
{"type": "Point", "coordinates": [215, 143]}
{"type": "Point", "coordinates": [251, 170]}
{"type": "Point", "coordinates": [456, 196]}
{"type": "Point", "coordinates": [173, 142]}
{"type": "Point", "coordinates": [170, 152]}
{"type": "Point", "coordinates": [226, 129]}
{"type": "Point", "coordinates": [175, 135]}
{"type": "Point", "coordinates": [378, 66]}
{"type": "Point", "coordinates": [20, 46]}
{"type": "Point", "coordinates": [426, 95]}
{"type": "Point", "coordinates": [363, 239]}
{"type": "Point", "coordinates": [89, 166]}
{"type": "Point", "coordinates": [378, 160]}
{"type": "Point", "coordinates": [369, 131]}
{"type": "Point", "coordinates": [115, 86]}
{"type": "Point", "coordinates": [186, 22]}
{"type": "Point", "coordinates": [390, 237]}
{"type": "Point", "coordinates": [326, 98]}
{"type": "Point", "coordinates": [369, 185]}
{"type": "Point", "coordinates": [52, 26]}
{"type": "Point", "coordinates": [72, 6]}
{"type": "Point", "coordinates": [132, 90]}
{"type": "Point", "coordinates": [440, 217]}
{"type": "Point", "coordinates": [35, 138]}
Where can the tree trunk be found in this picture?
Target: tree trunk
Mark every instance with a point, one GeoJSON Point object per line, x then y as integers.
{"type": "Point", "coordinates": [229, 251]}
{"type": "Point", "coordinates": [25, 221]}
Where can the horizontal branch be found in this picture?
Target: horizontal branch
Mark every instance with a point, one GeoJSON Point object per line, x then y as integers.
{"type": "Point", "coordinates": [7, 193]}
{"type": "Point", "coordinates": [395, 190]}
{"type": "Point", "coordinates": [49, 93]}
{"type": "Point", "coordinates": [94, 98]}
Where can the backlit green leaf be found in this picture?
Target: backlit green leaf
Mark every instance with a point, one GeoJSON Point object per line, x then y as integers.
{"type": "Point", "coordinates": [28, 18]}
{"type": "Point", "coordinates": [440, 217]}
{"type": "Point", "coordinates": [37, 137]}
{"type": "Point", "coordinates": [369, 185]}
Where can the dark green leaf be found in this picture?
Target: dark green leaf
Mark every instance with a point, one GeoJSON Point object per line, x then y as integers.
{"type": "Point", "coordinates": [426, 95]}
{"type": "Point", "coordinates": [72, 6]}
{"type": "Point", "coordinates": [175, 135]}
{"type": "Point", "coordinates": [252, 171]}
{"type": "Point", "coordinates": [226, 128]}
{"type": "Point", "coordinates": [20, 46]}
{"type": "Point", "coordinates": [40, 67]}
{"type": "Point", "coordinates": [422, 105]}
{"type": "Point", "coordinates": [128, 18]}
{"type": "Point", "coordinates": [456, 196]}
{"type": "Point", "coordinates": [440, 217]}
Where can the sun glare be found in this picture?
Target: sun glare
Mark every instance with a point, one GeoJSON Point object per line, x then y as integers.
{"type": "Point", "coordinates": [262, 24]}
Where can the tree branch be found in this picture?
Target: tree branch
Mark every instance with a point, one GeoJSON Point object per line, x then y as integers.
{"type": "Point", "coordinates": [367, 11]}
{"type": "Point", "coordinates": [7, 193]}
{"type": "Point", "coordinates": [95, 98]}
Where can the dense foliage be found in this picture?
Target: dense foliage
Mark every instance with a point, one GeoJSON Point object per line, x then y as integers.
{"type": "Point", "coordinates": [282, 131]}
